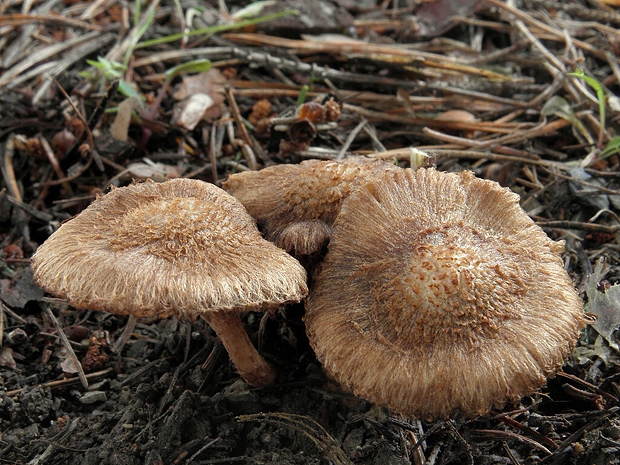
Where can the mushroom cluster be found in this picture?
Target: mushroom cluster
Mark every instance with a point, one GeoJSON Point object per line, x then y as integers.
{"type": "Point", "coordinates": [182, 247]}
{"type": "Point", "coordinates": [439, 294]}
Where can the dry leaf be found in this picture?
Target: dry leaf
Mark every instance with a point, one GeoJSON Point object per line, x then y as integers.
{"type": "Point", "coordinates": [605, 305]}
{"type": "Point", "coordinates": [120, 127]}
{"type": "Point", "coordinates": [201, 95]}
{"type": "Point", "coordinates": [192, 110]}
{"type": "Point", "coordinates": [212, 82]}
{"type": "Point", "coordinates": [6, 358]}
{"type": "Point", "coordinates": [156, 171]}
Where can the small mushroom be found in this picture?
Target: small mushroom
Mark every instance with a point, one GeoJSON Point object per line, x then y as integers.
{"type": "Point", "coordinates": [297, 204]}
{"type": "Point", "coordinates": [183, 247]}
{"type": "Point", "coordinates": [439, 294]}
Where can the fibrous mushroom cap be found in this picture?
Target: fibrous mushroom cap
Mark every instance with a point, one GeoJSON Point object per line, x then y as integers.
{"type": "Point", "coordinates": [297, 204]}
{"type": "Point", "coordinates": [182, 247]}
{"type": "Point", "coordinates": [439, 294]}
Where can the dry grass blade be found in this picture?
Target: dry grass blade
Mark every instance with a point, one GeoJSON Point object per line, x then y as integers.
{"type": "Point", "coordinates": [497, 434]}
{"type": "Point", "coordinates": [309, 428]}
{"type": "Point", "coordinates": [51, 19]}
{"type": "Point", "coordinates": [404, 154]}
{"type": "Point", "coordinates": [67, 346]}
{"type": "Point", "coordinates": [10, 78]}
{"type": "Point", "coordinates": [63, 382]}
{"type": "Point", "coordinates": [56, 443]}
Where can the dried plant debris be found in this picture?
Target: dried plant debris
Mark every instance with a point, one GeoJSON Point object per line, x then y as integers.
{"type": "Point", "coordinates": [604, 303]}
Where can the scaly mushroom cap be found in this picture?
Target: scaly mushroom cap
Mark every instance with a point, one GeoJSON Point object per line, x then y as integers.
{"type": "Point", "coordinates": [438, 293]}
{"type": "Point", "coordinates": [182, 247]}
{"type": "Point", "coordinates": [297, 204]}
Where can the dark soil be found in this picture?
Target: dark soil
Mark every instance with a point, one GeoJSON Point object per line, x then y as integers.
{"type": "Point", "coordinates": [170, 395]}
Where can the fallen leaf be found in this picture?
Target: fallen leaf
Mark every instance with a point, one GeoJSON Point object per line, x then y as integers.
{"type": "Point", "coordinates": [20, 289]}
{"type": "Point", "coordinates": [435, 18]}
{"type": "Point", "coordinates": [192, 111]}
{"type": "Point", "coordinates": [120, 126]}
{"type": "Point", "coordinates": [6, 358]}
{"type": "Point", "coordinates": [585, 354]}
{"type": "Point", "coordinates": [68, 365]}
{"type": "Point", "coordinates": [157, 171]}
{"type": "Point", "coordinates": [605, 305]}
{"type": "Point", "coordinates": [212, 82]}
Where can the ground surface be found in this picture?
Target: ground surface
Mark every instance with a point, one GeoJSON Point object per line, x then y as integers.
{"type": "Point", "coordinates": [170, 395]}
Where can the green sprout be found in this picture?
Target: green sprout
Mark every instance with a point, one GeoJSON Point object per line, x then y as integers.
{"type": "Point", "coordinates": [111, 71]}
{"type": "Point", "coordinates": [600, 95]}
{"type": "Point", "coordinates": [301, 98]}
{"type": "Point", "coordinates": [613, 147]}
{"type": "Point", "coordinates": [213, 29]}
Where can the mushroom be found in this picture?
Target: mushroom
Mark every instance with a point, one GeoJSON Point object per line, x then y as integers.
{"type": "Point", "coordinates": [297, 204]}
{"type": "Point", "coordinates": [439, 294]}
{"type": "Point", "coordinates": [182, 247]}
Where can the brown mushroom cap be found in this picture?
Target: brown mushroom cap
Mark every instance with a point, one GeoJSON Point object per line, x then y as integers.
{"type": "Point", "coordinates": [182, 247]}
{"type": "Point", "coordinates": [297, 204]}
{"type": "Point", "coordinates": [439, 294]}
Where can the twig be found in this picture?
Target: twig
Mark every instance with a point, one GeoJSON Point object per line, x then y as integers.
{"type": "Point", "coordinates": [12, 314]}
{"type": "Point", "coordinates": [309, 428]}
{"type": "Point", "coordinates": [513, 459]}
{"type": "Point", "coordinates": [506, 128]}
{"type": "Point", "coordinates": [187, 54]}
{"type": "Point", "coordinates": [90, 124]}
{"type": "Point", "coordinates": [49, 153]}
{"type": "Point", "coordinates": [41, 216]}
{"type": "Point", "coordinates": [136, 374]}
{"type": "Point", "coordinates": [1, 322]}
{"type": "Point", "coordinates": [602, 189]}
{"type": "Point", "coordinates": [403, 154]}
{"type": "Point", "coordinates": [203, 448]}
{"type": "Point", "coordinates": [498, 434]}
{"type": "Point", "coordinates": [62, 382]}
{"type": "Point", "coordinates": [591, 386]}
{"type": "Point", "coordinates": [535, 434]}
{"type": "Point", "coordinates": [264, 59]}
{"type": "Point", "coordinates": [580, 432]}
{"type": "Point", "coordinates": [213, 148]}
{"type": "Point", "coordinates": [66, 432]}
{"type": "Point", "coordinates": [249, 154]}
{"type": "Point", "coordinates": [50, 19]}
{"type": "Point", "coordinates": [352, 135]}
{"type": "Point", "coordinates": [130, 325]}
{"type": "Point", "coordinates": [593, 227]}
{"type": "Point", "coordinates": [8, 171]}
{"type": "Point", "coordinates": [67, 345]}
{"type": "Point", "coordinates": [526, 18]}
{"type": "Point", "coordinates": [588, 14]}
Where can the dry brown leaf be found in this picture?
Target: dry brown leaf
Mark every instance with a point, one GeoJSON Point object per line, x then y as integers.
{"type": "Point", "coordinates": [211, 82]}
{"type": "Point", "coordinates": [6, 358]}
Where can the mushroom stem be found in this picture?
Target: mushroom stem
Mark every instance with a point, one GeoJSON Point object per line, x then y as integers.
{"type": "Point", "coordinates": [249, 363]}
